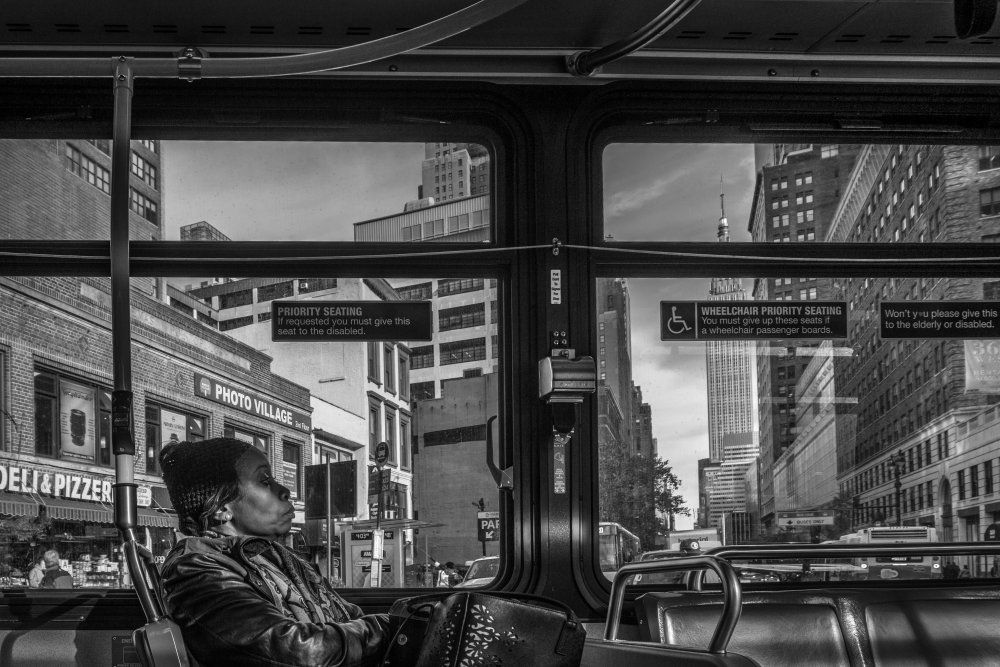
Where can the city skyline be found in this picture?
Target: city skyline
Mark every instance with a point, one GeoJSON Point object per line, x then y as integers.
{"type": "Point", "coordinates": [281, 191]}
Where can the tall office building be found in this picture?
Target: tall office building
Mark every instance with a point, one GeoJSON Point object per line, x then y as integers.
{"type": "Point", "coordinates": [202, 231]}
{"type": "Point", "coordinates": [731, 369]}
{"type": "Point", "coordinates": [454, 171]}
{"type": "Point", "coordinates": [732, 404]}
{"type": "Point", "coordinates": [799, 187]}
{"type": "Point", "coordinates": [910, 396]}
{"type": "Point", "coordinates": [454, 205]}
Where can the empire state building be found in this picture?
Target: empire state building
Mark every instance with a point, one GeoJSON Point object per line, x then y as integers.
{"type": "Point", "coordinates": [732, 406]}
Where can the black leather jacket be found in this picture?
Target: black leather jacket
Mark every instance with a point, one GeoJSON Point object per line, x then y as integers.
{"type": "Point", "coordinates": [215, 591]}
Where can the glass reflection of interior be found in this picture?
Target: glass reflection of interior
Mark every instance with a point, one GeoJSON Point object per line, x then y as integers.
{"type": "Point", "coordinates": [854, 438]}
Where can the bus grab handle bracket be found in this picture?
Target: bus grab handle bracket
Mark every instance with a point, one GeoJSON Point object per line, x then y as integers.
{"type": "Point", "coordinates": [503, 477]}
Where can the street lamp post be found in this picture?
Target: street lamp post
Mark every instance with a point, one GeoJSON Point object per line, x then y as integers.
{"type": "Point", "coordinates": [896, 463]}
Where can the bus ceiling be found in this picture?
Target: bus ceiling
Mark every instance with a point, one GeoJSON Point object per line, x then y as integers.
{"type": "Point", "coordinates": [533, 41]}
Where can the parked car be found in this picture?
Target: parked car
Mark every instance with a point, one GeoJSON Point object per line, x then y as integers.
{"type": "Point", "coordinates": [481, 572]}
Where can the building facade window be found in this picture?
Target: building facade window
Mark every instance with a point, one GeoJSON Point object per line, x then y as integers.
{"type": "Point", "coordinates": [87, 169]}
{"type": "Point", "coordinates": [389, 368]}
{"type": "Point", "coordinates": [989, 157]}
{"type": "Point", "coordinates": [261, 441]}
{"type": "Point", "coordinates": [103, 145]}
{"type": "Point", "coordinates": [422, 391]}
{"type": "Point", "coordinates": [390, 434]}
{"type": "Point", "coordinates": [989, 202]}
{"type": "Point", "coordinates": [421, 292]}
{"type": "Point", "coordinates": [461, 351]}
{"type": "Point", "coordinates": [331, 454]}
{"type": "Point", "coordinates": [235, 323]}
{"type": "Point", "coordinates": [405, 443]}
{"type": "Point", "coordinates": [459, 285]}
{"type": "Point", "coordinates": [234, 299]}
{"type": "Point", "coordinates": [145, 171]}
{"type": "Point", "coordinates": [403, 368]}
{"type": "Point", "coordinates": [422, 356]}
{"type": "Point", "coordinates": [72, 419]}
{"type": "Point", "coordinates": [144, 206]}
{"type": "Point", "coordinates": [373, 359]}
{"type": "Point", "coordinates": [462, 317]}
{"type": "Point", "coordinates": [307, 285]}
{"type": "Point", "coordinates": [374, 426]}
{"type": "Point", "coordinates": [166, 425]}
{"type": "Point", "coordinates": [282, 290]}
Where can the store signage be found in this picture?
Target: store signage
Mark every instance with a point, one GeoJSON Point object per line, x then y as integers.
{"type": "Point", "coordinates": [982, 365]}
{"type": "Point", "coordinates": [939, 319]}
{"type": "Point", "coordinates": [752, 320]}
{"type": "Point", "coordinates": [488, 526]}
{"type": "Point", "coordinates": [350, 320]}
{"type": "Point", "coordinates": [367, 535]}
{"type": "Point", "coordinates": [23, 479]}
{"type": "Point", "coordinates": [799, 519]}
{"type": "Point", "coordinates": [76, 421]}
{"type": "Point", "coordinates": [252, 403]}
{"type": "Point", "coordinates": [992, 533]}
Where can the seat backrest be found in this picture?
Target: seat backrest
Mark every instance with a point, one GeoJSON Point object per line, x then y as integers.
{"type": "Point", "coordinates": [159, 642]}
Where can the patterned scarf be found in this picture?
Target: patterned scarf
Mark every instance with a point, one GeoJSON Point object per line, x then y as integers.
{"type": "Point", "coordinates": [304, 594]}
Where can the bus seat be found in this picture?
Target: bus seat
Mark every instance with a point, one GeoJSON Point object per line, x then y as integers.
{"type": "Point", "coordinates": [914, 632]}
{"type": "Point", "coordinates": [160, 644]}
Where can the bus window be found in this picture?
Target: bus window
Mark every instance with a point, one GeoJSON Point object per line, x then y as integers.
{"type": "Point", "coordinates": [797, 406]}
{"type": "Point", "coordinates": [424, 389]}
{"type": "Point", "coordinates": [411, 364]}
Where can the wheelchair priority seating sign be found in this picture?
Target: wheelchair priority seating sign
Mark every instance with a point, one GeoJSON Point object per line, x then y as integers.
{"type": "Point", "coordinates": [752, 320]}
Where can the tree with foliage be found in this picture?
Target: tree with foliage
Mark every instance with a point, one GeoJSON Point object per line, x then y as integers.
{"type": "Point", "coordinates": [634, 487]}
{"type": "Point", "coordinates": [668, 501]}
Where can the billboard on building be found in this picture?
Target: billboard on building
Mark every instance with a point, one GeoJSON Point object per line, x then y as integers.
{"type": "Point", "coordinates": [76, 421]}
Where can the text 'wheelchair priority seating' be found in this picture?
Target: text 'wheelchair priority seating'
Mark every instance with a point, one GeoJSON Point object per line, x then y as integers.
{"type": "Point", "coordinates": [486, 628]}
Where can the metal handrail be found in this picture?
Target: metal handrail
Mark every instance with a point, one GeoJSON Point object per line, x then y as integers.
{"type": "Point", "coordinates": [776, 551]}
{"type": "Point", "coordinates": [813, 551]}
{"type": "Point", "coordinates": [586, 63]}
{"type": "Point", "coordinates": [190, 66]}
{"type": "Point", "coordinates": [732, 594]}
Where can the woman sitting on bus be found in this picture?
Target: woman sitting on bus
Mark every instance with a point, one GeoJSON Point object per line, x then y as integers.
{"type": "Point", "coordinates": [240, 596]}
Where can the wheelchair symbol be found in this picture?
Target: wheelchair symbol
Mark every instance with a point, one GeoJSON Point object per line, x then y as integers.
{"type": "Point", "coordinates": [676, 324]}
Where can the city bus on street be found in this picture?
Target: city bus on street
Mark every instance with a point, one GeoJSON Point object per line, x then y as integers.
{"type": "Point", "coordinates": [618, 546]}
{"type": "Point", "coordinates": [901, 566]}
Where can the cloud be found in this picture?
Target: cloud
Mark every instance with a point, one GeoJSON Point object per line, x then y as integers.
{"type": "Point", "coordinates": [621, 203]}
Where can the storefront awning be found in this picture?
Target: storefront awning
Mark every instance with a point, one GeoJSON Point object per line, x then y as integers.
{"type": "Point", "coordinates": [75, 510]}
{"type": "Point", "coordinates": [18, 505]}
{"type": "Point", "coordinates": [151, 517]}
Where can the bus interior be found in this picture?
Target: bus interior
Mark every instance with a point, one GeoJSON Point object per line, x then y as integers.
{"type": "Point", "coordinates": [539, 284]}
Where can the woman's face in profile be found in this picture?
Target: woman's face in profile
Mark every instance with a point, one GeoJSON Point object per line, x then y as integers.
{"type": "Point", "coordinates": [263, 509]}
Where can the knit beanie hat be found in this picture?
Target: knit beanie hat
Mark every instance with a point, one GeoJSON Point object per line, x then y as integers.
{"type": "Point", "coordinates": [194, 471]}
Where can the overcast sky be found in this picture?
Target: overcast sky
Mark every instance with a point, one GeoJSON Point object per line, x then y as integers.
{"type": "Point", "coordinates": [304, 191]}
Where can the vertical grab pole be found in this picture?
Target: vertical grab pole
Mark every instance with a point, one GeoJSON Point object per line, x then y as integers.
{"type": "Point", "coordinates": [122, 422]}
{"type": "Point", "coordinates": [122, 428]}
